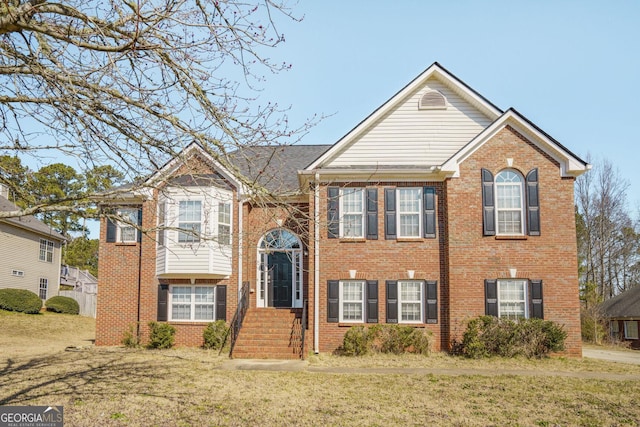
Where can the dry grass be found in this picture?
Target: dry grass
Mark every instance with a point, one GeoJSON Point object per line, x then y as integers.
{"type": "Point", "coordinates": [187, 387]}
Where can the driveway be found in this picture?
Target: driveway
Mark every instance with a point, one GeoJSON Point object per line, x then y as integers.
{"type": "Point", "coordinates": [621, 356]}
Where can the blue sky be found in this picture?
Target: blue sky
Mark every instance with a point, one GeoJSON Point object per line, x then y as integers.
{"type": "Point", "coordinates": [572, 67]}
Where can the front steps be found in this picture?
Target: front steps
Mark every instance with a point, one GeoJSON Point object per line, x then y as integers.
{"type": "Point", "coordinates": [270, 333]}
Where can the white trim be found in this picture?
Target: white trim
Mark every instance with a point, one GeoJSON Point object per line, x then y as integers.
{"type": "Point", "coordinates": [343, 212]}
{"type": "Point", "coordinates": [421, 301]}
{"type": "Point", "coordinates": [525, 284]}
{"type": "Point", "coordinates": [631, 333]}
{"type": "Point", "coordinates": [342, 300]}
{"type": "Point", "coordinates": [262, 269]}
{"type": "Point", "coordinates": [192, 302]}
{"type": "Point", "coordinates": [521, 208]}
{"type": "Point", "coordinates": [420, 212]}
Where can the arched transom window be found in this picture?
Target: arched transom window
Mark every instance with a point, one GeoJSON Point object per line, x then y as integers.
{"type": "Point", "coordinates": [279, 239]}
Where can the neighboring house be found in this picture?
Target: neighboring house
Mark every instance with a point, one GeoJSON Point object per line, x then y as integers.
{"type": "Point", "coordinates": [81, 280]}
{"type": "Point", "coordinates": [30, 253]}
{"type": "Point", "coordinates": [623, 314]}
{"type": "Point", "coordinates": [436, 208]}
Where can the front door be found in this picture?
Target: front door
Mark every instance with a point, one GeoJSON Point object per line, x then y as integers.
{"type": "Point", "coordinates": [280, 279]}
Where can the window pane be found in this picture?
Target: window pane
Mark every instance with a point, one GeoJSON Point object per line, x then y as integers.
{"type": "Point", "coordinates": [205, 294]}
{"type": "Point", "coordinates": [512, 298]}
{"type": "Point", "coordinates": [631, 329]}
{"type": "Point", "coordinates": [352, 291]}
{"type": "Point", "coordinates": [352, 301]}
{"type": "Point", "coordinates": [181, 293]}
{"type": "Point", "coordinates": [224, 213]}
{"type": "Point", "coordinates": [352, 311]}
{"type": "Point", "coordinates": [409, 200]}
{"type": "Point", "coordinates": [204, 312]}
{"type": "Point", "coordinates": [509, 222]}
{"type": "Point", "coordinates": [181, 311]}
{"type": "Point", "coordinates": [352, 225]}
{"type": "Point", "coordinates": [410, 312]}
{"type": "Point", "coordinates": [224, 234]}
{"type": "Point", "coordinates": [352, 200]}
{"type": "Point", "coordinates": [410, 225]}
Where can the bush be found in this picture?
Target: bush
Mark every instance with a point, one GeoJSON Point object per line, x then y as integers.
{"type": "Point", "coordinates": [214, 335]}
{"type": "Point", "coordinates": [20, 300]}
{"type": "Point", "coordinates": [62, 304]}
{"type": "Point", "coordinates": [396, 339]}
{"type": "Point", "coordinates": [488, 336]}
{"type": "Point", "coordinates": [130, 338]}
{"type": "Point", "coordinates": [161, 335]}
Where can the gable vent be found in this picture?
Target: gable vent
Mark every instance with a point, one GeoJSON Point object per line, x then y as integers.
{"type": "Point", "coordinates": [432, 100]}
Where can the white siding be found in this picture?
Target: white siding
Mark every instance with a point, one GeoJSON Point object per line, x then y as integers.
{"type": "Point", "coordinates": [409, 136]}
{"type": "Point", "coordinates": [20, 250]}
{"type": "Point", "coordinates": [204, 257]}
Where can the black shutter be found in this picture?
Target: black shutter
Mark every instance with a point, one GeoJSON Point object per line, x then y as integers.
{"type": "Point", "coordinates": [390, 213]}
{"type": "Point", "coordinates": [491, 297]}
{"type": "Point", "coordinates": [333, 295]}
{"type": "Point", "coordinates": [533, 203]}
{"type": "Point", "coordinates": [392, 301]}
{"type": "Point", "coordinates": [111, 231]}
{"type": "Point", "coordinates": [372, 301]}
{"type": "Point", "coordinates": [537, 311]}
{"type": "Point", "coordinates": [221, 302]}
{"type": "Point", "coordinates": [139, 230]}
{"type": "Point", "coordinates": [163, 301]}
{"type": "Point", "coordinates": [429, 201]}
{"type": "Point", "coordinates": [431, 301]}
{"type": "Point", "coordinates": [333, 212]}
{"type": "Point", "coordinates": [372, 213]}
{"type": "Point", "coordinates": [488, 204]}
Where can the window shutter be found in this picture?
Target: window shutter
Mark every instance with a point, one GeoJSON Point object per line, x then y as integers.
{"type": "Point", "coordinates": [488, 204]}
{"type": "Point", "coordinates": [163, 300]}
{"type": "Point", "coordinates": [429, 196]}
{"type": "Point", "coordinates": [372, 301]}
{"type": "Point", "coordinates": [139, 230]}
{"type": "Point", "coordinates": [431, 301]}
{"type": "Point", "coordinates": [111, 231]}
{"type": "Point", "coordinates": [333, 292]}
{"type": "Point", "coordinates": [537, 311]}
{"type": "Point", "coordinates": [392, 301]}
{"type": "Point", "coordinates": [390, 213]}
{"type": "Point", "coordinates": [221, 302]}
{"type": "Point", "coordinates": [533, 203]}
{"type": "Point", "coordinates": [372, 213]}
{"type": "Point", "coordinates": [491, 297]}
{"type": "Point", "coordinates": [333, 212]}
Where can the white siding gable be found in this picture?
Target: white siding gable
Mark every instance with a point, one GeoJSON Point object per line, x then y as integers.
{"type": "Point", "coordinates": [408, 136]}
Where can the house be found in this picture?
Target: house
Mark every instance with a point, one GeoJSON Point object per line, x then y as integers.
{"type": "Point", "coordinates": [436, 208]}
{"type": "Point", "coordinates": [30, 253]}
{"type": "Point", "coordinates": [79, 280]}
{"type": "Point", "coordinates": [622, 312]}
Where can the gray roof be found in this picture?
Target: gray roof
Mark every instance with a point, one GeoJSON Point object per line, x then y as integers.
{"type": "Point", "coordinates": [276, 167]}
{"type": "Point", "coordinates": [624, 305]}
{"type": "Point", "coordinates": [28, 222]}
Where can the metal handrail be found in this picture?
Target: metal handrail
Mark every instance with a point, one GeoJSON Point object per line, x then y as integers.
{"type": "Point", "coordinates": [303, 327]}
{"type": "Point", "coordinates": [238, 317]}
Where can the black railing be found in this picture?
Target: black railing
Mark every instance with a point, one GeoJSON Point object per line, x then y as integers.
{"type": "Point", "coordinates": [238, 317]}
{"type": "Point", "coordinates": [303, 328]}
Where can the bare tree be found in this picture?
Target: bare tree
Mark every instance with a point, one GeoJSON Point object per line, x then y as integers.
{"type": "Point", "coordinates": [129, 84]}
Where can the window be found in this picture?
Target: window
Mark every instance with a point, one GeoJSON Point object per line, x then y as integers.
{"type": "Point", "coordinates": [44, 284]}
{"type": "Point", "coordinates": [631, 329]}
{"type": "Point", "coordinates": [410, 301]}
{"type": "Point", "coordinates": [190, 220]}
{"type": "Point", "coordinates": [614, 329]}
{"type": "Point", "coordinates": [352, 208]}
{"type": "Point", "coordinates": [352, 301]}
{"type": "Point", "coordinates": [162, 218]}
{"type": "Point", "coordinates": [46, 250]}
{"type": "Point", "coordinates": [512, 298]}
{"type": "Point", "coordinates": [509, 202]}
{"type": "Point", "coordinates": [224, 223]}
{"type": "Point", "coordinates": [17, 273]}
{"type": "Point", "coordinates": [409, 207]}
{"type": "Point", "coordinates": [127, 232]}
{"type": "Point", "coordinates": [192, 303]}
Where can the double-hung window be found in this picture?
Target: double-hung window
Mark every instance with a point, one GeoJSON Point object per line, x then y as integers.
{"type": "Point", "coordinates": [509, 202]}
{"type": "Point", "coordinates": [352, 301]}
{"type": "Point", "coordinates": [631, 329]}
{"type": "Point", "coordinates": [410, 300]}
{"type": "Point", "coordinates": [512, 299]}
{"type": "Point", "coordinates": [189, 221]}
{"type": "Point", "coordinates": [46, 250]}
{"type": "Point", "coordinates": [44, 286]}
{"type": "Point", "coordinates": [127, 232]}
{"type": "Point", "coordinates": [224, 223]}
{"type": "Point", "coordinates": [409, 208]}
{"type": "Point", "coordinates": [192, 303]}
{"type": "Point", "coordinates": [352, 208]}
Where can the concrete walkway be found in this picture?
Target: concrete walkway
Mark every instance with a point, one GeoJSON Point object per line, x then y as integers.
{"type": "Point", "coordinates": [620, 356]}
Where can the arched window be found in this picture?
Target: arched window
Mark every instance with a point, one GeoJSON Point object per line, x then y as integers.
{"type": "Point", "coordinates": [432, 100]}
{"type": "Point", "coordinates": [279, 239]}
{"type": "Point", "coordinates": [509, 202]}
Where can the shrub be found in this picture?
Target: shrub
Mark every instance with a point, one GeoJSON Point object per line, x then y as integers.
{"type": "Point", "coordinates": [488, 336]}
{"type": "Point", "coordinates": [20, 300]}
{"type": "Point", "coordinates": [214, 335]}
{"type": "Point", "coordinates": [396, 339]}
{"type": "Point", "coordinates": [357, 341]}
{"type": "Point", "coordinates": [161, 335]}
{"type": "Point", "coordinates": [130, 338]}
{"type": "Point", "coordinates": [62, 304]}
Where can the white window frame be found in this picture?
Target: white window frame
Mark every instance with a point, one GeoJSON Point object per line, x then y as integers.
{"type": "Point", "coordinates": [17, 273]}
{"type": "Point", "coordinates": [513, 209]}
{"type": "Point", "coordinates": [342, 301]}
{"type": "Point", "coordinates": [192, 303]}
{"type": "Point", "coordinates": [614, 329]}
{"type": "Point", "coordinates": [504, 302]}
{"type": "Point", "coordinates": [345, 211]}
{"type": "Point", "coordinates": [124, 229]}
{"type": "Point", "coordinates": [47, 248]}
{"type": "Point", "coordinates": [191, 223]}
{"type": "Point", "coordinates": [631, 329]}
{"type": "Point", "coordinates": [224, 223]}
{"type": "Point", "coordinates": [43, 288]}
{"type": "Point", "coordinates": [405, 301]}
{"type": "Point", "coordinates": [401, 212]}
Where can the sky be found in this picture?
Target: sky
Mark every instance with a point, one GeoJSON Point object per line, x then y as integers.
{"type": "Point", "coordinates": [571, 67]}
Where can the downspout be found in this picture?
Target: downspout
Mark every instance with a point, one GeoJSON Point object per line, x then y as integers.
{"type": "Point", "coordinates": [240, 219]}
{"type": "Point", "coordinates": [139, 276]}
{"type": "Point", "coordinates": [316, 265]}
